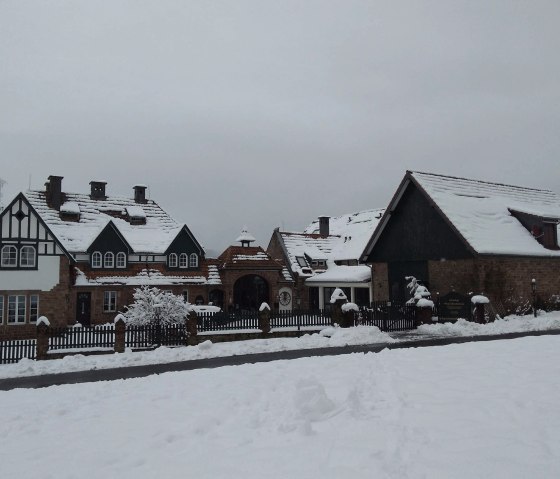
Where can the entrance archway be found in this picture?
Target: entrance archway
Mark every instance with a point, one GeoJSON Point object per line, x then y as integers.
{"type": "Point", "coordinates": [249, 292]}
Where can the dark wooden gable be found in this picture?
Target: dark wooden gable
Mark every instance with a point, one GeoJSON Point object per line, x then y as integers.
{"type": "Point", "coordinates": [417, 231]}
{"type": "Point", "coordinates": [185, 242]}
{"type": "Point", "coordinates": [20, 224]}
{"type": "Point", "coordinates": [110, 239]}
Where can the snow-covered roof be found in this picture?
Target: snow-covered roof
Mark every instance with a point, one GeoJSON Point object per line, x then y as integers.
{"type": "Point", "coordinates": [245, 236]}
{"type": "Point", "coordinates": [70, 207]}
{"type": "Point", "coordinates": [342, 274]}
{"type": "Point", "coordinates": [154, 236]}
{"type": "Point", "coordinates": [348, 237]}
{"type": "Point", "coordinates": [354, 229]}
{"type": "Point", "coordinates": [146, 277]}
{"type": "Point", "coordinates": [481, 212]}
{"type": "Point", "coordinates": [300, 244]}
{"type": "Point", "coordinates": [135, 211]}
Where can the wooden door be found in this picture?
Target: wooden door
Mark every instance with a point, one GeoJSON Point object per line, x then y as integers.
{"type": "Point", "coordinates": [83, 309]}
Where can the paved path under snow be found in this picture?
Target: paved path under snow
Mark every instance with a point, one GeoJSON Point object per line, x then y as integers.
{"type": "Point", "coordinates": [407, 340]}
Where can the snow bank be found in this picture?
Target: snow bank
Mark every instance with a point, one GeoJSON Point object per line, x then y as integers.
{"type": "Point", "coordinates": [510, 324]}
{"type": "Point", "coordinates": [358, 416]}
{"type": "Point", "coordinates": [328, 337]}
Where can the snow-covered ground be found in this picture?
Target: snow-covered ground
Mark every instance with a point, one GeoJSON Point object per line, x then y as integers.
{"type": "Point", "coordinates": [468, 411]}
{"type": "Point", "coordinates": [328, 337]}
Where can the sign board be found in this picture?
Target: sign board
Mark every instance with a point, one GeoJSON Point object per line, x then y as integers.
{"type": "Point", "coordinates": [454, 306]}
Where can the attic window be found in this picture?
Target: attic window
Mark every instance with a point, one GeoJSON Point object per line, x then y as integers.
{"type": "Point", "coordinates": [319, 262]}
{"type": "Point", "coordinates": [301, 261]}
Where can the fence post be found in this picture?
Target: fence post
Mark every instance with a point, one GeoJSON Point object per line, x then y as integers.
{"type": "Point", "coordinates": [192, 328]}
{"type": "Point", "coordinates": [120, 334]}
{"type": "Point", "coordinates": [479, 303]}
{"type": "Point", "coordinates": [42, 337]}
{"type": "Point", "coordinates": [424, 308]}
{"type": "Point", "coordinates": [264, 318]}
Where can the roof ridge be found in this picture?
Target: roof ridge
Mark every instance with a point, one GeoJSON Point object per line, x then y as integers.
{"type": "Point", "coordinates": [481, 181]}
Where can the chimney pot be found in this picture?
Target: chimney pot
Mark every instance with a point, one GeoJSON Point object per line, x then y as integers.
{"type": "Point", "coordinates": [140, 193]}
{"type": "Point", "coordinates": [54, 191]}
{"type": "Point", "coordinates": [97, 190]}
{"type": "Point", "coordinates": [324, 225]}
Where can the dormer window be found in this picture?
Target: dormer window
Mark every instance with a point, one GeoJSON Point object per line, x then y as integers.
{"type": "Point", "coordinates": [96, 259]}
{"type": "Point", "coordinates": [121, 260]}
{"type": "Point", "coordinates": [172, 261]}
{"type": "Point", "coordinates": [183, 260]}
{"type": "Point", "coordinates": [193, 260]}
{"type": "Point", "coordinates": [109, 260]}
{"type": "Point", "coordinates": [9, 256]}
{"type": "Point", "coordinates": [27, 257]}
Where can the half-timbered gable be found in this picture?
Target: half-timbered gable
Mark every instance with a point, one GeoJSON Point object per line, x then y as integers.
{"type": "Point", "coordinates": [79, 257]}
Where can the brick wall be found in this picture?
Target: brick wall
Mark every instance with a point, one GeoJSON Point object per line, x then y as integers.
{"type": "Point", "coordinates": [505, 280]}
{"type": "Point", "coordinates": [380, 281]}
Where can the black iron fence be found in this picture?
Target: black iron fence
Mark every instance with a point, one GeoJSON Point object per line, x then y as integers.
{"type": "Point", "coordinates": [14, 351]}
{"type": "Point", "coordinates": [82, 337]}
{"type": "Point", "coordinates": [154, 335]}
{"type": "Point", "coordinates": [300, 319]}
{"type": "Point", "coordinates": [227, 321]}
{"type": "Point", "coordinates": [388, 316]}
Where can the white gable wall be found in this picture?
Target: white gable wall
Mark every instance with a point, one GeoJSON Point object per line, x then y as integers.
{"type": "Point", "coordinates": [44, 278]}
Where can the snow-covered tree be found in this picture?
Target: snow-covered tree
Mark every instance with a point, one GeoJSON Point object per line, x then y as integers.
{"type": "Point", "coordinates": [416, 290]}
{"type": "Point", "coordinates": [173, 308]}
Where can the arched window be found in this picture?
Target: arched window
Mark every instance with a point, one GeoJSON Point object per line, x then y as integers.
{"type": "Point", "coordinates": [96, 260]}
{"type": "Point", "coordinates": [9, 255]}
{"type": "Point", "coordinates": [172, 262]}
{"type": "Point", "coordinates": [27, 257]}
{"type": "Point", "coordinates": [121, 260]}
{"type": "Point", "coordinates": [193, 261]}
{"type": "Point", "coordinates": [109, 260]}
{"type": "Point", "coordinates": [183, 260]}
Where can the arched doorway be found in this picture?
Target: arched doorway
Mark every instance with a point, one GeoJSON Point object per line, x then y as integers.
{"type": "Point", "coordinates": [249, 292]}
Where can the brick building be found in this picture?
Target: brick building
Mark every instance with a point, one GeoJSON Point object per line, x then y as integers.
{"type": "Point", "coordinates": [325, 256]}
{"type": "Point", "coordinates": [77, 258]}
{"type": "Point", "coordinates": [457, 234]}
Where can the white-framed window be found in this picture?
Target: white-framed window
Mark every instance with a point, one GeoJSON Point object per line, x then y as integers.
{"type": "Point", "coordinates": [193, 260]}
{"type": "Point", "coordinates": [172, 260]}
{"type": "Point", "coordinates": [109, 260]}
{"type": "Point", "coordinates": [121, 260]}
{"type": "Point", "coordinates": [109, 301]}
{"type": "Point", "coordinates": [183, 260]}
{"type": "Point", "coordinates": [16, 309]}
{"type": "Point", "coordinates": [1, 309]}
{"type": "Point", "coordinates": [27, 257]}
{"type": "Point", "coordinates": [96, 259]}
{"type": "Point", "coordinates": [9, 255]}
{"type": "Point", "coordinates": [33, 308]}
{"type": "Point", "coordinates": [186, 296]}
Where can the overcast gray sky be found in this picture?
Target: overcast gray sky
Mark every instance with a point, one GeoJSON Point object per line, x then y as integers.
{"type": "Point", "coordinates": [270, 113]}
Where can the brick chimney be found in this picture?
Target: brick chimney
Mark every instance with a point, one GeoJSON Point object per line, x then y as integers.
{"type": "Point", "coordinates": [97, 190]}
{"type": "Point", "coordinates": [54, 191]}
{"type": "Point", "coordinates": [324, 225]}
{"type": "Point", "coordinates": [140, 193]}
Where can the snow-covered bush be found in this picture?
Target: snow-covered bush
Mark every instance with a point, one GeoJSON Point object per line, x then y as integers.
{"type": "Point", "coordinates": [173, 308]}
{"type": "Point", "coordinates": [417, 291]}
